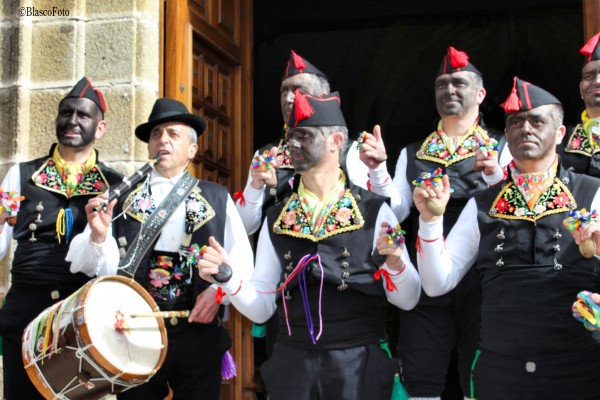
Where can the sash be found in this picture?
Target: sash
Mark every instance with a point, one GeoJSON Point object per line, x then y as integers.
{"type": "Point", "coordinates": [151, 229]}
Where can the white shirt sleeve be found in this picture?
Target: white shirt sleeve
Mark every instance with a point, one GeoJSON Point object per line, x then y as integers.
{"type": "Point", "coordinates": [251, 211]}
{"type": "Point", "coordinates": [399, 190]}
{"type": "Point", "coordinates": [256, 298]}
{"type": "Point", "coordinates": [358, 173]}
{"type": "Point", "coordinates": [12, 183]}
{"type": "Point", "coordinates": [442, 264]}
{"type": "Point", "coordinates": [408, 284]}
{"type": "Point", "coordinates": [236, 243]}
{"type": "Point", "coordinates": [91, 258]}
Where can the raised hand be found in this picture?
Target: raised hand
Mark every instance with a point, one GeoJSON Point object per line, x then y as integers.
{"type": "Point", "coordinates": [424, 192]}
{"type": "Point", "coordinates": [99, 221]}
{"type": "Point", "coordinates": [372, 149]}
{"type": "Point", "coordinates": [212, 257]}
{"type": "Point", "coordinates": [485, 160]}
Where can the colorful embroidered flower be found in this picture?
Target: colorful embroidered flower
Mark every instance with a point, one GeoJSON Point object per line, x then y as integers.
{"type": "Point", "coordinates": [343, 215]}
{"type": "Point", "coordinates": [159, 277]}
{"type": "Point", "coordinates": [575, 143]}
{"type": "Point", "coordinates": [502, 205]}
{"type": "Point", "coordinates": [539, 208]}
{"type": "Point", "coordinates": [290, 218]}
{"type": "Point", "coordinates": [562, 199]}
{"type": "Point", "coordinates": [165, 261]}
{"type": "Point", "coordinates": [194, 205]}
{"type": "Point", "coordinates": [145, 203]}
{"type": "Point", "coordinates": [519, 212]}
{"type": "Point", "coordinates": [99, 186]}
{"type": "Point", "coordinates": [41, 178]}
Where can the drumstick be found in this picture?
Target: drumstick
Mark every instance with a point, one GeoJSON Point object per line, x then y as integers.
{"type": "Point", "coordinates": [163, 314]}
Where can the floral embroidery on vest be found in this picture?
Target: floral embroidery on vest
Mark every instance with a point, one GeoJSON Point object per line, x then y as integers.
{"type": "Point", "coordinates": [48, 178]}
{"type": "Point", "coordinates": [169, 278]}
{"type": "Point", "coordinates": [198, 211]}
{"type": "Point", "coordinates": [510, 203]}
{"type": "Point", "coordinates": [433, 148]}
{"type": "Point", "coordinates": [344, 216]}
{"type": "Point", "coordinates": [580, 143]}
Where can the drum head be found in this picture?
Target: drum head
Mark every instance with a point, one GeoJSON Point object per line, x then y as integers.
{"type": "Point", "coordinates": [137, 348]}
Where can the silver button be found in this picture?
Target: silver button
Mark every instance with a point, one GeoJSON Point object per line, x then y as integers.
{"type": "Point", "coordinates": [54, 295]}
{"type": "Point", "coordinates": [530, 366]}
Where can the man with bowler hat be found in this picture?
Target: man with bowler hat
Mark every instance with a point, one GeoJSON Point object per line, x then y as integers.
{"type": "Point", "coordinates": [189, 212]}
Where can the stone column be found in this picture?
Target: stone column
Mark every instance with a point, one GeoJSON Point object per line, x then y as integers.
{"type": "Point", "coordinates": [45, 48]}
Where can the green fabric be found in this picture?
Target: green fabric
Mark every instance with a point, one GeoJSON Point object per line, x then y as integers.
{"type": "Point", "coordinates": [471, 383]}
{"type": "Point", "coordinates": [259, 330]}
{"type": "Point", "coordinates": [398, 391]}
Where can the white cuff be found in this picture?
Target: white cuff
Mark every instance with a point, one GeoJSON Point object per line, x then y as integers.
{"type": "Point", "coordinates": [496, 177]}
{"type": "Point", "coordinates": [380, 175]}
{"type": "Point", "coordinates": [431, 230]}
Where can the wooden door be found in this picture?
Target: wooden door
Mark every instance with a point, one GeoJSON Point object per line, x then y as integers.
{"type": "Point", "coordinates": [207, 61]}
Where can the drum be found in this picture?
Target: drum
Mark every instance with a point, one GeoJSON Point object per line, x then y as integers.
{"type": "Point", "coordinates": [87, 345]}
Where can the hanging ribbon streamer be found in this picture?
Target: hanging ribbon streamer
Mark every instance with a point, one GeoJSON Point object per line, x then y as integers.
{"type": "Point", "coordinates": [64, 224]}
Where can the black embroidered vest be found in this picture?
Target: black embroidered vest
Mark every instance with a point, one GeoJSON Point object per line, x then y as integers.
{"type": "Point", "coordinates": [354, 303]}
{"type": "Point", "coordinates": [128, 228]}
{"type": "Point", "coordinates": [43, 261]}
{"type": "Point", "coordinates": [531, 270]}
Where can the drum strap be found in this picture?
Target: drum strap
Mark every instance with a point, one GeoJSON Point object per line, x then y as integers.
{"type": "Point", "coordinates": [151, 229]}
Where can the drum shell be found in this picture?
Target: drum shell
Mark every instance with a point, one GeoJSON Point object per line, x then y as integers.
{"type": "Point", "coordinates": [61, 369]}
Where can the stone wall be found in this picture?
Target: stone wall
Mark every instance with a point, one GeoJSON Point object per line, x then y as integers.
{"type": "Point", "coordinates": [46, 48]}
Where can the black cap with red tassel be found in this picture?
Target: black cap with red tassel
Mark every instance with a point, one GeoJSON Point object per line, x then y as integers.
{"type": "Point", "coordinates": [311, 110]}
{"type": "Point", "coordinates": [298, 65]}
{"type": "Point", "coordinates": [456, 61]}
{"type": "Point", "coordinates": [525, 96]}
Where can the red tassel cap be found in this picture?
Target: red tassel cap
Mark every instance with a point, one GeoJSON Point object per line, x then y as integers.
{"type": "Point", "coordinates": [588, 49]}
{"type": "Point", "coordinates": [512, 103]}
{"type": "Point", "coordinates": [458, 58]}
{"type": "Point", "coordinates": [298, 61]}
{"type": "Point", "coordinates": [302, 106]}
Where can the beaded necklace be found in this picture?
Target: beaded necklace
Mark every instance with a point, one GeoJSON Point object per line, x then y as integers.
{"type": "Point", "coordinates": [591, 127]}
{"type": "Point", "coordinates": [453, 143]}
{"type": "Point", "coordinates": [315, 209]}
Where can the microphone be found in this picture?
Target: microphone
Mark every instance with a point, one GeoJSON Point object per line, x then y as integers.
{"type": "Point", "coordinates": [128, 183]}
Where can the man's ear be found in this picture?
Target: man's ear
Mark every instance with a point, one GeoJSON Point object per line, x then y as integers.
{"type": "Point", "coordinates": [100, 129]}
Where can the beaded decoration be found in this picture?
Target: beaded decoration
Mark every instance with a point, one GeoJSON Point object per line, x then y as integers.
{"type": "Point", "coordinates": [488, 147]}
{"type": "Point", "coordinates": [579, 219]}
{"type": "Point", "coordinates": [264, 161]}
{"type": "Point", "coordinates": [9, 202]}
{"type": "Point", "coordinates": [586, 311]}
{"type": "Point", "coordinates": [429, 178]}
{"type": "Point", "coordinates": [395, 234]}
{"type": "Point", "coordinates": [361, 139]}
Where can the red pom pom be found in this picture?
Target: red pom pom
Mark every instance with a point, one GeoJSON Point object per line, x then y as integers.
{"type": "Point", "coordinates": [239, 196]}
{"type": "Point", "coordinates": [298, 61]}
{"type": "Point", "coordinates": [588, 49]}
{"type": "Point", "coordinates": [302, 106]}
{"type": "Point", "coordinates": [457, 58]}
{"type": "Point", "coordinates": [512, 103]}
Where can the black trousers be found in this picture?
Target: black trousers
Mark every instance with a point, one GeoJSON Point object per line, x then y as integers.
{"type": "Point", "coordinates": [357, 373]}
{"type": "Point", "coordinates": [192, 367]}
{"type": "Point", "coordinates": [23, 304]}
{"type": "Point", "coordinates": [430, 332]}
{"type": "Point", "coordinates": [572, 376]}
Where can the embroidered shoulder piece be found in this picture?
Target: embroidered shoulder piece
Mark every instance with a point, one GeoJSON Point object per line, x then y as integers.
{"type": "Point", "coordinates": [198, 211]}
{"type": "Point", "coordinates": [580, 143]}
{"type": "Point", "coordinates": [510, 204]}
{"type": "Point", "coordinates": [344, 216]}
{"type": "Point", "coordinates": [48, 178]}
{"type": "Point", "coordinates": [434, 150]}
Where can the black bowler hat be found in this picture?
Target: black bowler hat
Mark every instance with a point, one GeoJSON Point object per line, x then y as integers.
{"type": "Point", "coordinates": [525, 96]}
{"type": "Point", "coordinates": [298, 65]}
{"type": "Point", "coordinates": [169, 110]}
{"type": "Point", "coordinates": [84, 88]}
{"type": "Point", "coordinates": [311, 110]}
{"type": "Point", "coordinates": [591, 50]}
{"type": "Point", "coordinates": [456, 61]}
